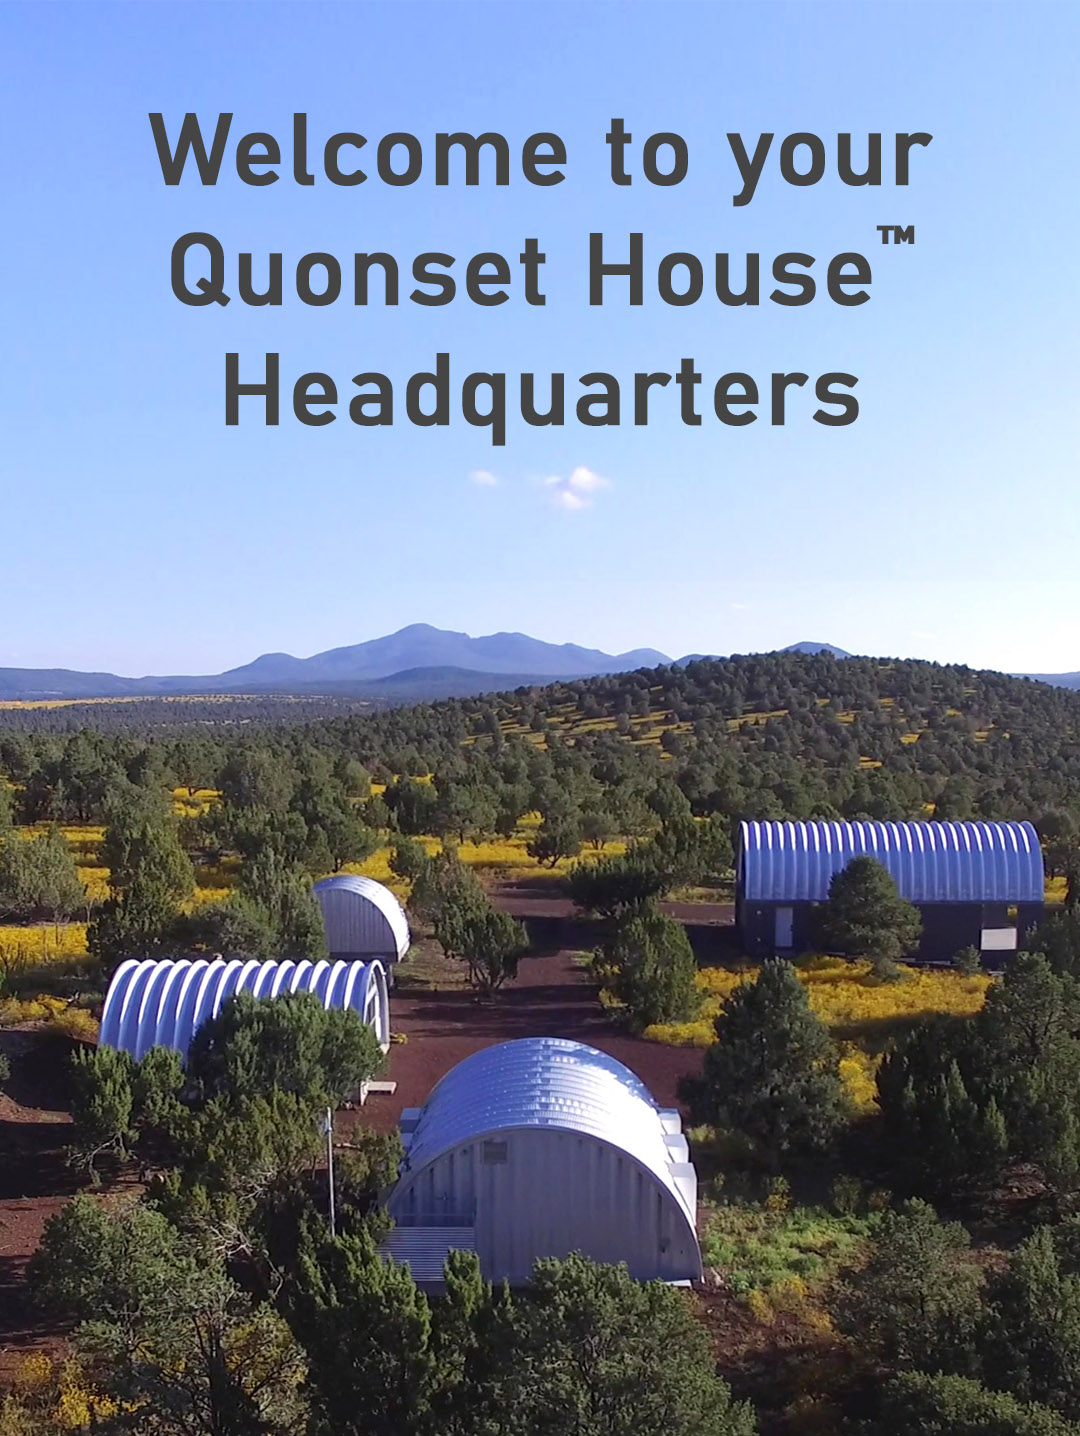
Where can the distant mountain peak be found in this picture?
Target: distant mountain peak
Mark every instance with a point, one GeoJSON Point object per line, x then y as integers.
{"type": "Point", "coordinates": [809, 646]}
{"type": "Point", "coordinates": [417, 648]}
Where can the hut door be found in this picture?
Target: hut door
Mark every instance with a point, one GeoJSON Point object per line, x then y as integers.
{"type": "Point", "coordinates": [785, 929]}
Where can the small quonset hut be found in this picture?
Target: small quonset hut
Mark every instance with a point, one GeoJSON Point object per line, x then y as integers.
{"type": "Point", "coordinates": [539, 1148]}
{"type": "Point", "coordinates": [163, 1004]}
{"type": "Point", "coordinates": [976, 884]}
{"type": "Point", "coordinates": [362, 918]}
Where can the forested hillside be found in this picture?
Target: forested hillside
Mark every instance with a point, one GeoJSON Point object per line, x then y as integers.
{"type": "Point", "coordinates": [780, 735]}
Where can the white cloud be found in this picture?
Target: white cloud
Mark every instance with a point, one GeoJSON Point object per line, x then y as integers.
{"type": "Point", "coordinates": [483, 478]}
{"type": "Point", "coordinates": [577, 491]}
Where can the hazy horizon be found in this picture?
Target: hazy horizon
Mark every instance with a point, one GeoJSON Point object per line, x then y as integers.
{"type": "Point", "coordinates": [781, 639]}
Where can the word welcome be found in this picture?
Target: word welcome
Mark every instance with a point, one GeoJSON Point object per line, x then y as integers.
{"type": "Point", "coordinates": [401, 159]}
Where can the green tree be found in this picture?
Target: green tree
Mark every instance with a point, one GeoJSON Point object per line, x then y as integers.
{"type": "Point", "coordinates": [38, 878]}
{"type": "Point", "coordinates": [597, 827]}
{"type": "Point", "coordinates": [968, 961]}
{"type": "Point", "coordinates": [1031, 1345]}
{"type": "Point", "coordinates": [961, 1099]}
{"type": "Point", "coordinates": [487, 941]}
{"type": "Point", "coordinates": [590, 1352]}
{"type": "Point", "coordinates": [654, 967]}
{"type": "Point", "coordinates": [916, 1302]}
{"type": "Point", "coordinates": [935, 1405]}
{"type": "Point", "coordinates": [142, 844]}
{"type": "Point", "coordinates": [141, 922]}
{"type": "Point", "coordinates": [559, 836]}
{"type": "Point", "coordinates": [254, 1048]}
{"type": "Point", "coordinates": [232, 1162]}
{"type": "Point", "coordinates": [162, 1327]}
{"type": "Point", "coordinates": [365, 1328]}
{"type": "Point", "coordinates": [408, 859]}
{"type": "Point", "coordinates": [280, 890]}
{"type": "Point", "coordinates": [102, 1105]}
{"type": "Point", "coordinates": [612, 885]}
{"type": "Point", "coordinates": [1057, 937]}
{"type": "Point", "coordinates": [256, 778]}
{"type": "Point", "coordinates": [773, 1072]}
{"type": "Point", "coordinates": [865, 916]}
{"type": "Point", "coordinates": [443, 880]}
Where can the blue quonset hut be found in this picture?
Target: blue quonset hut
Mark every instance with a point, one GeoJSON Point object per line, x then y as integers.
{"type": "Point", "coordinates": [976, 884]}
{"type": "Point", "coordinates": [539, 1148]}
{"type": "Point", "coordinates": [162, 1003]}
{"type": "Point", "coordinates": [362, 919]}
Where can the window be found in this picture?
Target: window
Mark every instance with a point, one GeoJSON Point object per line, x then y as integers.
{"type": "Point", "coordinates": [494, 1153]}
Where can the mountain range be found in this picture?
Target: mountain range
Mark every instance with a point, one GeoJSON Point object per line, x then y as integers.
{"type": "Point", "coordinates": [416, 662]}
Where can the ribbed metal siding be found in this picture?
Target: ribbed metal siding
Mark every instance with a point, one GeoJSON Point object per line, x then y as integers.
{"type": "Point", "coordinates": [931, 862]}
{"type": "Point", "coordinates": [591, 1164]}
{"type": "Point", "coordinates": [362, 918]}
{"type": "Point", "coordinates": [162, 1004]}
{"type": "Point", "coordinates": [424, 1249]}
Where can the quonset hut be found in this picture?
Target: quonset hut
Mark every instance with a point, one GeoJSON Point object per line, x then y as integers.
{"type": "Point", "coordinates": [539, 1148]}
{"type": "Point", "coordinates": [976, 884]}
{"type": "Point", "coordinates": [361, 918]}
{"type": "Point", "coordinates": [163, 1004]}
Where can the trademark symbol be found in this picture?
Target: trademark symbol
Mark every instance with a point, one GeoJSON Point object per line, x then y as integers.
{"type": "Point", "coordinates": [900, 233]}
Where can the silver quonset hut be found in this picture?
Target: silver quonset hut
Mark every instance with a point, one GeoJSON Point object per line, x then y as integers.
{"type": "Point", "coordinates": [362, 918]}
{"type": "Point", "coordinates": [539, 1148]}
{"type": "Point", "coordinates": [976, 884]}
{"type": "Point", "coordinates": [163, 1004]}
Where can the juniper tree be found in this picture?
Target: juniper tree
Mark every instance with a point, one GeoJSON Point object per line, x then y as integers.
{"type": "Point", "coordinates": [654, 967]}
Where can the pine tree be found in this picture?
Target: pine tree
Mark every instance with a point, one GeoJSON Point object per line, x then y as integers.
{"type": "Point", "coordinates": [934, 1405]}
{"type": "Point", "coordinates": [915, 1303]}
{"type": "Point", "coordinates": [1032, 1340]}
{"type": "Point", "coordinates": [773, 1071]}
{"type": "Point", "coordinates": [865, 916]}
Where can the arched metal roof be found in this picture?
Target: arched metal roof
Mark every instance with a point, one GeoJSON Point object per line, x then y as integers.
{"type": "Point", "coordinates": [545, 1082]}
{"type": "Point", "coordinates": [154, 1003]}
{"type": "Point", "coordinates": [362, 918]}
{"type": "Point", "coordinates": [930, 862]}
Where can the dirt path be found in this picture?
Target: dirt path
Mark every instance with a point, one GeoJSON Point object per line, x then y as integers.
{"type": "Point", "coordinates": [550, 998]}
{"type": "Point", "coordinates": [34, 1182]}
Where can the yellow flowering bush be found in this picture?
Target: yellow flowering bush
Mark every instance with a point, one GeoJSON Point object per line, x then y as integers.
{"type": "Point", "coordinates": [856, 1007]}
{"type": "Point", "coordinates": [40, 942]}
{"type": "Point", "coordinates": [55, 1013]}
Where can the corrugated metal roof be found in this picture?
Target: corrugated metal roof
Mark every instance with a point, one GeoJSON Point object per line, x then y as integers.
{"type": "Point", "coordinates": [154, 1003]}
{"type": "Point", "coordinates": [362, 916]}
{"type": "Point", "coordinates": [424, 1249]}
{"type": "Point", "coordinates": [545, 1082]}
{"type": "Point", "coordinates": [931, 862]}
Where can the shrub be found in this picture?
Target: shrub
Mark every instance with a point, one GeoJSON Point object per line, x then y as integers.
{"type": "Point", "coordinates": [968, 962]}
{"type": "Point", "coordinates": [653, 968]}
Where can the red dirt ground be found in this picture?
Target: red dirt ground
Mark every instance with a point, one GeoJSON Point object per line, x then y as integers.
{"type": "Point", "coordinates": [34, 1180]}
{"type": "Point", "coordinates": [551, 998]}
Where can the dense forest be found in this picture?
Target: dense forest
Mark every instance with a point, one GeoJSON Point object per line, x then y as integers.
{"type": "Point", "coordinates": [781, 735]}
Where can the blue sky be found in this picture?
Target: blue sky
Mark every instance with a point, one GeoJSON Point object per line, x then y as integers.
{"type": "Point", "coordinates": [142, 535]}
